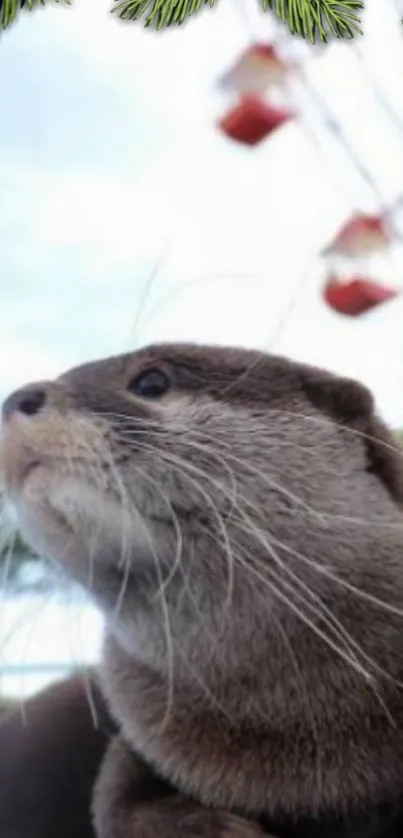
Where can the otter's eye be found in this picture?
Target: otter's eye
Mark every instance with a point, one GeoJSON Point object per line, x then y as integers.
{"type": "Point", "coordinates": [150, 384]}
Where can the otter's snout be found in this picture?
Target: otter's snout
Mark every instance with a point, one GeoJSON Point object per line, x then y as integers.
{"type": "Point", "coordinates": [28, 400]}
{"type": "Point", "coordinates": [29, 431]}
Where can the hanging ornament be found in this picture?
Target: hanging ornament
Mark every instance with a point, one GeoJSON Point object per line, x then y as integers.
{"type": "Point", "coordinates": [252, 119]}
{"type": "Point", "coordinates": [361, 236]}
{"type": "Point", "coordinates": [259, 67]}
{"type": "Point", "coordinates": [354, 295]}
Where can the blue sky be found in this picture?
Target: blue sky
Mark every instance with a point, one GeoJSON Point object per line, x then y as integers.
{"type": "Point", "coordinates": [110, 165]}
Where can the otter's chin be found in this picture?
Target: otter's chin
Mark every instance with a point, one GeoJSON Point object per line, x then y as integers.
{"type": "Point", "coordinates": [42, 526]}
{"type": "Point", "coordinates": [77, 526]}
{"type": "Point", "coordinates": [36, 482]}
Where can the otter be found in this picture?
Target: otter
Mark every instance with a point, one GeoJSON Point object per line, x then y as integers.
{"type": "Point", "coordinates": [237, 516]}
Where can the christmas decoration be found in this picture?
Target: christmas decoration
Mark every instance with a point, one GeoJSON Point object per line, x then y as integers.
{"type": "Point", "coordinates": [355, 295]}
{"type": "Point", "coordinates": [360, 236]}
{"type": "Point", "coordinates": [257, 68]}
{"type": "Point", "coordinates": [252, 119]}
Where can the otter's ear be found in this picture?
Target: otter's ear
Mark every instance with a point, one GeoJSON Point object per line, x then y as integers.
{"type": "Point", "coordinates": [342, 399]}
{"type": "Point", "coordinates": [350, 403]}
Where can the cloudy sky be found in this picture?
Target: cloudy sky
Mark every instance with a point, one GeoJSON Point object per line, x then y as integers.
{"type": "Point", "coordinates": [126, 217]}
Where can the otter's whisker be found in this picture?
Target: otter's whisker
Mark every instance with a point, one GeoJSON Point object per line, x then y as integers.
{"type": "Point", "coordinates": [176, 461]}
{"type": "Point", "coordinates": [125, 505]}
{"type": "Point", "coordinates": [175, 521]}
{"type": "Point", "coordinates": [217, 515]}
{"type": "Point", "coordinates": [185, 431]}
{"type": "Point", "coordinates": [185, 466]}
{"type": "Point", "coordinates": [337, 625]}
{"type": "Point", "coordinates": [303, 617]}
{"type": "Point", "coordinates": [324, 571]}
{"type": "Point", "coordinates": [266, 479]}
{"type": "Point", "coordinates": [333, 624]}
{"type": "Point", "coordinates": [323, 420]}
{"type": "Point", "coordinates": [164, 606]}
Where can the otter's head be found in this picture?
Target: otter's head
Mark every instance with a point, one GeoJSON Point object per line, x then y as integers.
{"type": "Point", "coordinates": [214, 474]}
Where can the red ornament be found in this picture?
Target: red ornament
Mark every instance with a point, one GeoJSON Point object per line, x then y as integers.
{"type": "Point", "coordinates": [356, 295]}
{"type": "Point", "coordinates": [361, 235]}
{"type": "Point", "coordinates": [257, 68]}
{"type": "Point", "coordinates": [252, 119]}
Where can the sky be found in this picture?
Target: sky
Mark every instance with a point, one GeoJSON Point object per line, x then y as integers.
{"type": "Point", "coordinates": [126, 217]}
{"type": "Point", "coordinates": [43, 638]}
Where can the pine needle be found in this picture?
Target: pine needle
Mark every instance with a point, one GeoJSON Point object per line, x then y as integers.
{"type": "Point", "coordinates": [10, 9]}
{"type": "Point", "coordinates": [311, 19]}
{"type": "Point", "coordinates": [163, 13]}
{"type": "Point", "coordinates": [318, 19]}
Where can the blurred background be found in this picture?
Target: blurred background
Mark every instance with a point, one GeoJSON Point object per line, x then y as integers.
{"type": "Point", "coordinates": [221, 182]}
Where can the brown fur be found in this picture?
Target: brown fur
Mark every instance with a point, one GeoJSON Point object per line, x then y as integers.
{"type": "Point", "coordinates": [235, 521]}
{"type": "Point", "coordinates": [50, 753]}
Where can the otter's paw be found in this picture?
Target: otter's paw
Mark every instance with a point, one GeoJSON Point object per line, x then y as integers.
{"type": "Point", "coordinates": [178, 818]}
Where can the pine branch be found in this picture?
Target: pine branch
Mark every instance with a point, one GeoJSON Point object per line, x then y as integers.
{"type": "Point", "coordinates": [313, 19]}
{"type": "Point", "coordinates": [163, 12]}
{"type": "Point", "coordinates": [10, 9]}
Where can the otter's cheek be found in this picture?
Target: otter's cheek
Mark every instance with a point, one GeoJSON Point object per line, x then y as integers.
{"type": "Point", "coordinates": [36, 484]}
{"type": "Point", "coordinates": [41, 527]}
{"type": "Point", "coordinates": [76, 525]}
{"type": "Point", "coordinates": [51, 537]}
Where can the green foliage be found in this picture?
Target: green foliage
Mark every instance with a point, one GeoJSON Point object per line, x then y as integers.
{"type": "Point", "coordinates": [10, 9]}
{"type": "Point", "coordinates": [310, 19]}
{"type": "Point", "coordinates": [318, 19]}
{"type": "Point", "coordinates": [163, 13]}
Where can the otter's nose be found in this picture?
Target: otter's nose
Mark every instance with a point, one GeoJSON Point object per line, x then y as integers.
{"type": "Point", "coordinates": [28, 401]}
